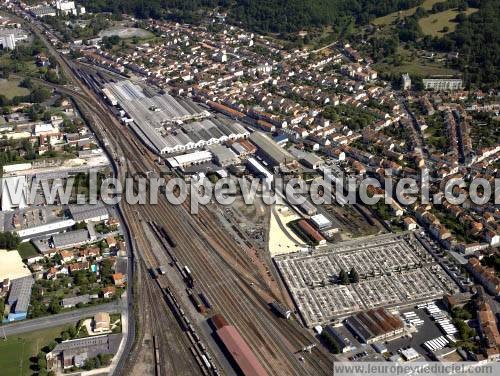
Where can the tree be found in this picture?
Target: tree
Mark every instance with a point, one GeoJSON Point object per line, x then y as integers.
{"type": "Point", "coordinates": [40, 94]}
{"type": "Point", "coordinates": [65, 336]}
{"type": "Point", "coordinates": [41, 361]}
{"type": "Point", "coordinates": [72, 332]}
{"type": "Point", "coordinates": [353, 276]}
{"type": "Point", "coordinates": [51, 346]}
{"type": "Point", "coordinates": [343, 277]}
{"type": "Point", "coordinates": [2, 308]}
{"type": "Point", "coordinates": [9, 240]}
{"type": "Point", "coordinates": [55, 306]}
{"type": "Point", "coordinates": [91, 363]}
{"type": "Point", "coordinates": [26, 83]}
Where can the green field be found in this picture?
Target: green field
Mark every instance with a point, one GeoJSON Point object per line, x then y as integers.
{"type": "Point", "coordinates": [26, 250]}
{"type": "Point", "coordinates": [415, 68]}
{"type": "Point", "coordinates": [16, 351]}
{"type": "Point", "coordinates": [391, 17]}
{"type": "Point", "coordinates": [10, 88]}
{"type": "Point", "coordinates": [411, 62]}
{"type": "Point", "coordinates": [434, 24]}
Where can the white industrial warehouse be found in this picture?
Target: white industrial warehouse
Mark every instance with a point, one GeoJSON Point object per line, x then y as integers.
{"type": "Point", "coordinates": [167, 124]}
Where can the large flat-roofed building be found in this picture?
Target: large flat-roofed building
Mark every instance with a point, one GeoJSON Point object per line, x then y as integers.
{"type": "Point", "coordinates": [255, 167]}
{"type": "Point", "coordinates": [375, 325]}
{"type": "Point", "coordinates": [444, 84]}
{"type": "Point", "coordinates": [270, 151]}
{"type": "Point", "coordinates": [48, 228]}
{"type": "Point", "coordinates": [43, 11]}
{"type": "Point", "coordinates": [10, 37]}
{"type": "Point", "coordinates": [342, 342]}
{"type": "Point", "coordinates": [86, 213]}
{"type": "Point", "coordinates": [190, 159]}
{"type": "Point", "coordinates": [19, 298]}
{"type": "Point", "coordinates": [167, 124]}
{"type": "Point", "coordinates": [75, 352]}
{"type": "Point", "coordinates": [223, 155]}
{"type": "Point", "coordinates": [65, 240]}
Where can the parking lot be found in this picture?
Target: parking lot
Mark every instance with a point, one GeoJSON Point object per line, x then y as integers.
{"type": "Point", "coordinates": [427, 331]}
{"type": "Point", "coordinates": [394, 269]}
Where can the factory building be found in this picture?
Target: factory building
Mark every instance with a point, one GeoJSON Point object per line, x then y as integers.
{"type": "Point", "coordinates": [190, 159]}
{"type": "Point", "coordinates": [41, 11]}
{"type": "Point", "coordinates": [223, 155]}
{"type": "Point", "coordinates": [19, 298]}
{"type": "Point", "coordinates": [309, 160]}
{"type": "Point", "coordinates": [89, 213]}
{"type": "Point", "coordinates": [311, 232]}
{"type": "Point", "coordinates": [342, 342]}
{"type": "Point", "coordinates": [444, 84]}
{"type": "Point", "coordinates": [256, 168]}
{"type": "Point", "coordinates": [375, 325]}
{"type": "Point", "coordinates": [308, 208]}
{"type": "Point", "coordinates": [74, 352]}
{"type": "Point", "coordinates": [320, 221]}
{"type": "Point", "coordinates": [324, 225]}
{"type": "Point", "coordinates": [48, 245]}
{"type": "Point", "coordinates": [271, 152]}
{"type": "Point", "coordinates": [167, 124]}
{"type": "Point", "coordinates": [48, 228]}
{"type": "Point", "coordinates": [7, 41]}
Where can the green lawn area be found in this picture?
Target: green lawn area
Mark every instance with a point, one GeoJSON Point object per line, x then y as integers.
{"type": "Point", "coordinates": [391, 17]}
{"type": "Point", "coordinates": [416, 68]}
{"type": "Point", "coordinates": [434, 24]}
{"type": "Point", "coordinates": [16, 351]}
{"type": "Point", "coordinates": [10, 88]}
{"type": "Point", "coordinates": [26, 250]}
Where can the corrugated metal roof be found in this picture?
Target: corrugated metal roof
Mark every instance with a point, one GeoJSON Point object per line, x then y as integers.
{"type": "Point", "coordinates": [240, 351]}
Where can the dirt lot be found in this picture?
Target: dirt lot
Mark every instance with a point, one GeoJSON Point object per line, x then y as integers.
{"type": "Point", "coordinates": [352, 223]}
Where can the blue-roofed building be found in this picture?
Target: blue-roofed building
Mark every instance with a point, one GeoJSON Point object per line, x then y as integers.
{"type": "Point", "coordinates": [281, 139]}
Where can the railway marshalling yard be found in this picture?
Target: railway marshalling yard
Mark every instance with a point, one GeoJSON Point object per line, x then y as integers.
{"type": "Point", "coordinates": [394, 270]}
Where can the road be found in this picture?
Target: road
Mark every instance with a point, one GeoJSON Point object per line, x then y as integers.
{"type": "Point", "coordinates": [59, 319]}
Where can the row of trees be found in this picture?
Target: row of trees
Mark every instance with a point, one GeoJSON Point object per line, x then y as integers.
{"type": "Point", "coordinates": [9, 240]}
{"type": "Point", "coordinates": [348, 278]}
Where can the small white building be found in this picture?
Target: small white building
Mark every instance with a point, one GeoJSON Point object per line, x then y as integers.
{"type": "Point", "coordinates": [185, 160]}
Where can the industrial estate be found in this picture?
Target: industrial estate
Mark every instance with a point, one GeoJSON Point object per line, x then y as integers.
{"type": "Point", "coordinates": [92, 286]}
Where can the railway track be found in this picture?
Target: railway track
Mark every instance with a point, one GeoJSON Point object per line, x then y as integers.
{"type": "Point", "coordinates": [228, 293]}
{"type": "Point", "coordinates": [216, 263]}
{"type": "Point", "coordinates": [172, 343]}
{"type": "Point", "coordinates": [278, 357]}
